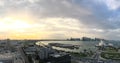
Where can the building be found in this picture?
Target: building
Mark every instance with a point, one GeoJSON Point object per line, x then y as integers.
{"type": "Point", "coordinates": [43, 54]}
{"type": "Point", "coordinates": [60, 58]}
{"type": "Point", "coordinates": [75, 39]}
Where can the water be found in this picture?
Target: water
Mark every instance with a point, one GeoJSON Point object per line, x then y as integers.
{"type": "Point", "coordinates": [89, 45]}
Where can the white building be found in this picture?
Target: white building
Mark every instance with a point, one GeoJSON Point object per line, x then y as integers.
{"type": "Point", "coordinates": [102, 43]}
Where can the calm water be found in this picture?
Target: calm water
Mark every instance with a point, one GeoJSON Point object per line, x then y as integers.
{"type": "Point", "coordinates": [83, 45]}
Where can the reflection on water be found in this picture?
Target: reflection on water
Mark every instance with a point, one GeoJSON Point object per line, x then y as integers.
{"type": "Point", "coordinates": [83, 45]}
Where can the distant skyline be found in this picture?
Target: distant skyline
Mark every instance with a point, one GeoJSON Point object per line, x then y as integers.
{"type": "Point", "coordinates": [47, 19]}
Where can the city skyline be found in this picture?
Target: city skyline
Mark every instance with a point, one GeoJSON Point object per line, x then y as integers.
{"type": "Point", "coordinates": [44, 19]}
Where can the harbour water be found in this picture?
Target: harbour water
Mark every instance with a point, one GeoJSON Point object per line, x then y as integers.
{"type": "Point", "coordinates": [88, 45]}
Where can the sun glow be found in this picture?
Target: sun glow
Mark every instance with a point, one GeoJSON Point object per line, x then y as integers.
{"type": "Point", "coordinates": [16, 28]}
{"type": "Point", "coordinates": [13, 24]}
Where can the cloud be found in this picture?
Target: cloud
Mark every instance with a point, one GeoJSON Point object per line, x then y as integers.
{"type": "Point", "coordinates": [111, 4]}
{"type": "Point", "coordinates": [63, 18]}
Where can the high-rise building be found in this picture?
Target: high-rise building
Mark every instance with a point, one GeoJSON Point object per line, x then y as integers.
{"type": "Point", "coordinates": [8, 44]}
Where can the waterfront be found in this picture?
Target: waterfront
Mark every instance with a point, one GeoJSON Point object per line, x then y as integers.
{"type": "Point", "coordinates": [88, 52]}
{"type": "Point", "coordinates": [89, 45]}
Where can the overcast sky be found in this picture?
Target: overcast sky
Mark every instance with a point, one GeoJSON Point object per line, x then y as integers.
{"type": "Point", "coordinates": [40, 19]}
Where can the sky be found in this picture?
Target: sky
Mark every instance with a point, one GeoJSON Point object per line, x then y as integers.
{"type": "Point", "coordinates": [59, 19]}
